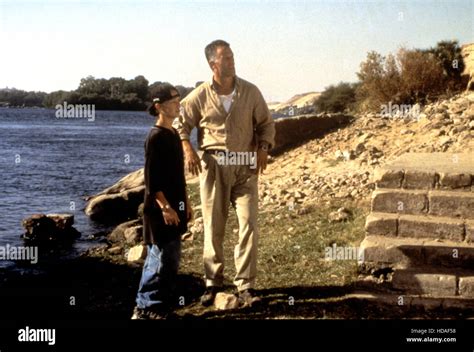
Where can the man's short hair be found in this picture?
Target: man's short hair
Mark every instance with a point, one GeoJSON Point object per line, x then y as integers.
{"type": "Point", "coordinates": [211, 49]}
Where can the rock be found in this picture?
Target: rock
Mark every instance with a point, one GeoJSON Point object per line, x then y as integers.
{"type": "Point", "coordinates": [50, 228]}
{"type": "Point", "coordinates": [225, 301]}
{"type": "Point", "coordinates": [304, 210]}
{"type": "Point", "coordinates": [469, 113]}
{"type": "Point", "coordinates": [366, 136]}
{"type": "Point", "coordinates": [114, 250]}
{"type": "Point", "coordinates": [299, 195]}
{"type": "Point", "coordinates": [459, 106]}
{"type": "Point", "coordinates": [62, 221]}
{"type": "Point", "coordinates": [118, 234]}
{"type": "Point", "coordinates": [187, 236]}
{"type": "Point", "coordinates": [348, 155]}
{"type": "Point", "coordinates": [119, 202]}
{"type": "Point", "coordinates": [198, 226]}
{"type": "Point", "coordinates": [141, 207]}
{"type": "Point", "coordinates": [360, 147]}
{"type": "Point", "coordinates": [342, 214]}
{"type": "Point", "coordinates": [445, 140]}
{"type": "Point", "coordinates": [380, 124]}
{"type": "Point", "coordinates": [440, 116]}
{"type": "Point", "coordinates": [134, 234]}
{"type": "Point", "coordinates": [137, 253]}
{"type": "Point", "coordinates": [325, 188]}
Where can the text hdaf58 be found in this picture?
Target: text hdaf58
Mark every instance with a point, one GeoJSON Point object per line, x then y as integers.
{"type": "Point", "coordinates": [446, 331]}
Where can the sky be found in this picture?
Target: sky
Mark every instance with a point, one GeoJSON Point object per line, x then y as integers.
{"type": "Point", "coordinates": [284, 47]}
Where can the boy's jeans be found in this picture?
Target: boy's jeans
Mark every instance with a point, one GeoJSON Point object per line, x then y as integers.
{"type": "Point", "coordinates": [159, 276]}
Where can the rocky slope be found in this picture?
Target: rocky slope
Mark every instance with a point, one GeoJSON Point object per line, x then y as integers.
{"type": "Point", "coordinates": [341, 164]}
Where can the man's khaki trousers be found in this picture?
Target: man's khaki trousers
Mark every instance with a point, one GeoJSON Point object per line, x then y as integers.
{"type": "Point", "coordinates": [221, 185]}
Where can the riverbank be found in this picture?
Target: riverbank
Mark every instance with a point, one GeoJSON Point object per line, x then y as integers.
{"type": "Point", "coordinates": [296, 280]}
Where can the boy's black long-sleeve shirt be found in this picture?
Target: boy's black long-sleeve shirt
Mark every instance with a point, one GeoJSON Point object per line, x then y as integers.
{"type": "Point", "coordinates": [164, 172]}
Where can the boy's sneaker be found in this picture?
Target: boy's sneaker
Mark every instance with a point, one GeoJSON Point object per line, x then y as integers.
{"type": "Point", "coordinates": [139, 314]}
{"type": "Point", "coordinates": [146, 314]}
{"type": "Point", "coordinates": [207, 299]}
{"type": "Point", "coordinates": [248, 298]}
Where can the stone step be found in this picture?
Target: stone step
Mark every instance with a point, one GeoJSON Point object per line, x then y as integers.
{"type": "Point", "coordinates": [403, 253]}
{"type": "Point", "coordinates": [403, 301]}
{"type": "Point", "coordinates": [428, 281]}
{"type": "Point", "coordinates": [424, 202]}
{"type": "Point", "coordinates": [449, 171]}
{"type": "Point", "coordinates": [420, 226]}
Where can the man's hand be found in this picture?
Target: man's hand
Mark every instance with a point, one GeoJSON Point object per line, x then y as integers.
{"type": "Point", "coordinates": [191, 159]}
{"type": "Point", "coordinates": [170, 217]}
{"type": "Point", "coordinates": [262, 157]}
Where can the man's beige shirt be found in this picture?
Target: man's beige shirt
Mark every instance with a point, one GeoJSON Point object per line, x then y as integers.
{"type": "Point", "coordinates": [248, 122]}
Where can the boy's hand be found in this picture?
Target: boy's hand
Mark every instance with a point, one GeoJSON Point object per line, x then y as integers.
{"type": "Point", "coordinates": [170, 217]}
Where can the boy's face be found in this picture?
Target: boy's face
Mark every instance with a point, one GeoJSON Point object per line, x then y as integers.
{"type": "Point", "coordinates": [171, 107]}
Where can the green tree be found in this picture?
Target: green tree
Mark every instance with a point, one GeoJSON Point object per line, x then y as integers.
{"type": "Point", "coordinates": [337, 98]}
{"type": "Point", "coordinates": [421, 76]}
{"type": "Point", "coordinates": [448, 54]}
{"type": "Point", "coordinates": [139, 86]}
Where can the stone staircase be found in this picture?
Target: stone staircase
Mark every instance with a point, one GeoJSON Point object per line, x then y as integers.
{"type": "Point", "coordinates": [420, 232]}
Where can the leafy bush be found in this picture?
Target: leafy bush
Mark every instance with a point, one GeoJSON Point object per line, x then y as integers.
{"type": "Point", "coordinates": [337, 98]}
{"type": "Point", "coordinates": [410, 77]}
{"type": "Point", "coordinates": [448, 54]}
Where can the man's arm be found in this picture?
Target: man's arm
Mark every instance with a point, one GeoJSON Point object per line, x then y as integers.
{"type": "Point", "coordinates": [265, 130]}
{"type": "Point", "coordinates": [188, 119]}
{"type": "Point", "coordinates": [191, 159]}
{"type": "Point", "coordinates": [265, 125]}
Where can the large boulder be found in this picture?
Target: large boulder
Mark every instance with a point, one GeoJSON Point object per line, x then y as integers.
{"type": "Point", "coordinates": [50, 228]}
{"type": "Point", "coordinates": [130, 232]}
{"type": "Point", "coordinates": [119, 202]}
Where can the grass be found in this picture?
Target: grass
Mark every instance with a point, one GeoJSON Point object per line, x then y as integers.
{"type": "Point", "coordinates": [295, 257]}
{"type": "Point", "coordinates": [291, 250]}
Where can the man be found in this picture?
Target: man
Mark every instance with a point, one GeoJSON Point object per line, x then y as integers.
{"type": "Point", "coordinates": [231, 116]}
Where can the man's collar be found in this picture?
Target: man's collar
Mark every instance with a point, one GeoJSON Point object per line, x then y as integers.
{"type": "Point", "coordinates": [236, 87]}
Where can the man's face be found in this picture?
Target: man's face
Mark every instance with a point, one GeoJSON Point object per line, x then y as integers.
{"type": "Point", "coordinates": [224, 65]}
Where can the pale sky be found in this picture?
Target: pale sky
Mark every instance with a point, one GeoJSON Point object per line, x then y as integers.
{"type": "Point", "coordinates": [284, 47]}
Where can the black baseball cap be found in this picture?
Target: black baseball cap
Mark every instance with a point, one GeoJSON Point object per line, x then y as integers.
{"type": "Point", "coordinates": [164, 92]}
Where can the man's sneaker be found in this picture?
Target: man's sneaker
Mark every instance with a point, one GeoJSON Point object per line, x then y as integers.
{"type": "Point", "coordinates": [248, 298]}
{"type": "Point", "coordinates": [209, 295]}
